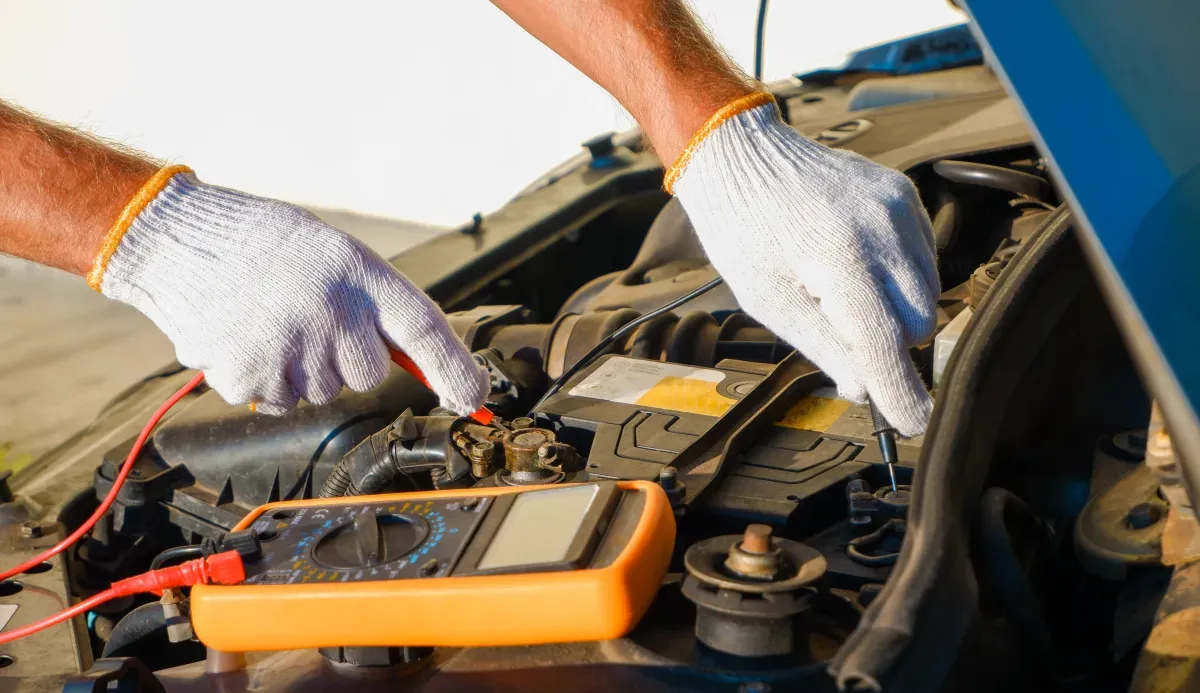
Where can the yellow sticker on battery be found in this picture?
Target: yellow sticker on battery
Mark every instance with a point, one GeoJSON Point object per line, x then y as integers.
{"type": "Point", "coordinates": [689, 395]}
{"type": "Point", "coordinates": [816, 412]}
{"type": "Point", "coordinates": [669, 386]}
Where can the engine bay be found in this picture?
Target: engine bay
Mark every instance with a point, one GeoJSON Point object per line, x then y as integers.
{"type": "Point", "coordinates": [772, 477]}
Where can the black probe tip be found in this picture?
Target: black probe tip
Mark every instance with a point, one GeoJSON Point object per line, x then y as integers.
{"type": "Point", "coordinates": [885, 434]}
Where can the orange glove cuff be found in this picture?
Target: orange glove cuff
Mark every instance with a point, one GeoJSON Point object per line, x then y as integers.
{"type": "Point", "coordinates": [729, 110]}
{"type": "Point", "coordinates": [135, 206]}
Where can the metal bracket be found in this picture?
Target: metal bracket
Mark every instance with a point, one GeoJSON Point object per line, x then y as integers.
{"type": "Point", "coordinates": [703, 463]}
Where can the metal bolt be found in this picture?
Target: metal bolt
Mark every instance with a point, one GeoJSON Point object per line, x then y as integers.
{"type": "Point", "coordinates": [481, 453]}
{"type": "Point", "coordinates": [1143, 515]}
{"type": "Point", "coordinates": [667, 478]}
{"type": "Point", "coordinates": [755, 557]}
{"type": "Point", "coordinates": [179, 626]}
{"type": "Point", "coordinates": [31, 530]}
{"type": "Point", "coordinates": [757, 539]}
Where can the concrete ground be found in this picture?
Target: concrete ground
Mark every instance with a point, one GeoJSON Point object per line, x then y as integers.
{"type": "Point", "coordinates": [65, 350]}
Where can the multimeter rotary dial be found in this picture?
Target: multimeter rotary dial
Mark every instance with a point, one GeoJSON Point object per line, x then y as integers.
{"type": "Point", "coordinates": [370, 539]}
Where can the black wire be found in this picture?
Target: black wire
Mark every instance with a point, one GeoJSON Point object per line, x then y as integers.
{"type": "Point", "coordinates": [621, 332]}
{"type": "Point", "coordinates": [176, 554]}
{"type": "Point", "coordinates": [760, 36]}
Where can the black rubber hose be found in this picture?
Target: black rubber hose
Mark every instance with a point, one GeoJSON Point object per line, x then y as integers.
{"type": "Point", "coordinates": [995, 177]}
{"type": "Point", "coordinates": [337, 482]}
{"type": "Point", "coordinates": [856, 548]}
{"type": "Point", "coordinates": [408, 446]}
{"type": "Point", "coordinates": [909, 636]}
{"type": "Point", "coordinates": [997, 510]}
{"type": "Point", "coordinates": [366, 463]}
{"type": "Point", "coordinates": [140, 623]}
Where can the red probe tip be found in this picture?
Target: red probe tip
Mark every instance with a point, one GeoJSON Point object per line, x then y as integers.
{"type": "Point", "coordinates": [483, 415]}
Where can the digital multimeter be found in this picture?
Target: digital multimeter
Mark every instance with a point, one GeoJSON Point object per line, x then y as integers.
{"type": "Point", "coordinates": [476, 567]}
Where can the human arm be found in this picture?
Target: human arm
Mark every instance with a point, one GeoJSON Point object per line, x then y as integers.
{"type": "Point", "coordinates": [270, 302]}
{"type": "Point", "coordinates": [832, 252]}
{"type": "Point", "coordinates": [60, 190]}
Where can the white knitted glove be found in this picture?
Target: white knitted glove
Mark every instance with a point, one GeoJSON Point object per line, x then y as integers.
{"type": "Point", "coordinates": [830, 251]}
{"type": "Point", "coordinates": [272, 303]}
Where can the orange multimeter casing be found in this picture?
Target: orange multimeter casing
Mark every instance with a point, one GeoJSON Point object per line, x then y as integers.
{"type": "Point", "coordinates": [361, 606]}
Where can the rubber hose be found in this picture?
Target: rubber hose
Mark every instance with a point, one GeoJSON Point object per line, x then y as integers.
{"type": "Point", "coordinates": [995, 177]}
{"type": "Point", "coordinates": [998, 509]}
{"type": "Point", "coordinates": [337, 482]}
{"type": "Point", "coordinates": [367, 464]}
{"type": "Point", "coordinates": [856, 546]}
{"type": "Point", "coordinates": [140, 623]}
{"type": "Point", "coordinates": [905, 638]}
{"type": "Point", "coordinates": [410, 445]}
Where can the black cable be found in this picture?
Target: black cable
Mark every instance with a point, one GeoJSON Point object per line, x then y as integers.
{"type": "Point", "coordinates": [760, 36]}
{"type": "Point", "coordinates": [856, 548]}
{"type": "Point", "coordinates": [621, 332]}
{"type": "Point", "coordinates": [178, 553]}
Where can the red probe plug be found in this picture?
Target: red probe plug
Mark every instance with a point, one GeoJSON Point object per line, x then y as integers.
{"type": "Point", "coordinates": [483, 415]}
{"type": "Point", "coordinates": [221, 569]}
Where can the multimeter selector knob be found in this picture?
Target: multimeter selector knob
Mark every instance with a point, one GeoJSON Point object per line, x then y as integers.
{"type": "Point", "coordinates": [371, 539]}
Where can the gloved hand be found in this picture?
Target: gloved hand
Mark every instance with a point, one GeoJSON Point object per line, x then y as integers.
{"type": "Point", "coordinates": [272, 303]}
{"type": "Point", "coordinates": [830, 251]}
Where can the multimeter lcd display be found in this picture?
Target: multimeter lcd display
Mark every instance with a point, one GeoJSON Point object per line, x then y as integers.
{"type": "Point", "coordinates": [539, 528]}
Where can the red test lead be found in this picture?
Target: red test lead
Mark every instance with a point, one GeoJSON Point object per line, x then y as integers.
{"type": "Point", "coordinates": [224, 568]}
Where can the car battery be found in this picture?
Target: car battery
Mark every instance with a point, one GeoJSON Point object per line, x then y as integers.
{"type": "Point", "coordinates": [631, 417]}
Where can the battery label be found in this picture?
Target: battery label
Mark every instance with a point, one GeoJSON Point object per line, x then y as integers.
{"type": "Point", "coordinates": [655, 384]}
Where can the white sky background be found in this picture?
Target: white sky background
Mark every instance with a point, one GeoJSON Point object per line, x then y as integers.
{"type": "Point", "coordinates": [427, 111]}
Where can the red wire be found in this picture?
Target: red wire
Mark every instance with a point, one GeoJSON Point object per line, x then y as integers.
{"type": "Point", "coordinates": [80, 608]}
{"type": "Point", "coordinates": [108, 500]}
{"type": "Point", "coordinates": [224, 568]}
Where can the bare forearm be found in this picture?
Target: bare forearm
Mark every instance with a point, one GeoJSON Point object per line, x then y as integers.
{"type": "Point", "coordinates": [60, 191]}
{"type": "Point", "coordinates": [652, 55]}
